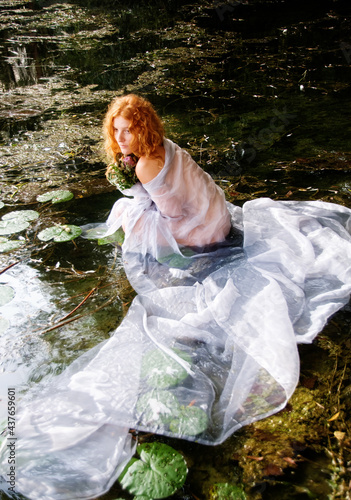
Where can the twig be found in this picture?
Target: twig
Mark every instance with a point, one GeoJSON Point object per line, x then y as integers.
{"type": "Point", "coordinates": [79, 305]}
{"type": "Point", "coordinates": [8, 267]}
{"type": "Point", "coordinates": [63, 323]}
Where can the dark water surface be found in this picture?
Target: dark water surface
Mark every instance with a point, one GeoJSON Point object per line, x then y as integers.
{"type": "Point", "coordinates": [259, 93]}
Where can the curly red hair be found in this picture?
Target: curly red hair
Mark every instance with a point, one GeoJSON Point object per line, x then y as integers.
{"type": "Point", "coordinates": [146, 126]}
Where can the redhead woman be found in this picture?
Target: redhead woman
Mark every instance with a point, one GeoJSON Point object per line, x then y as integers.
{"type": "Point", "coordinates": [188, 208]}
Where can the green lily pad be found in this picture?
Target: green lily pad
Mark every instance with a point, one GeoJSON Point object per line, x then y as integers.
{"type": "Point", "coordinates": [191, 421]}
{"type": "Point", "coordinates": [157, 407]}
{"type": "Point", "coordinates": [117, 237]}
{"type": "Point", "coordinates": [162, 371]}
{"type": "Point", "coordinates": [97, 233]}
{"type": "Point", "coordinates": [12, 226]}
{"type": "Point", "coordinates": [7, 293]}
{"type": "Point", "coordinates": [16, 221]}
{"type": "Point", "coordinates": [4, 324]}
{"type": "Point", "coordinates": [21, 215]}
{"type": "Point", "coordinates": [60, 233]}
{"type": "Point", "coordinates": [159, 473]}
{"type": "Point", "coordinates": [58, 196]}
{"type": "Point", "coordinates": [9, 245]}
{"type": "Point", "coordinates": [225, 491]}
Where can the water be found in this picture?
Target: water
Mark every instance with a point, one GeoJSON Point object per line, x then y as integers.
{"type": "Point", "coordinates": [259, 93]}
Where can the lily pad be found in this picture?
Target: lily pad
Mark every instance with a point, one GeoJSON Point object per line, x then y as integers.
{"type": "Point", "coordinates": [60, 233]}
{"type": "Point", "coordinates": [225, 491]}
{"type": "Point", "coordinates": [2, 204]}
{"type": "Point", "coordinates": [162, 371]}
{"type": "Point", "coordinates": [9, 245]}
{"type": "Point", "coordinates": [159, 473]}
{"type": "Point", "coordinates": [21, 215]}
{"type": "Point", "coordinates": [191, 421]}
{"type": "Point", "coordinates": [98, 232]}
{"type": "Point", "coordinates": [12, 226]}
{"type": "Point", "coordinates": [58, 196]}
{"type": "Point", "coordinates": [117, 237]}
{"type": "Point", "coordinates": [7, 293]}
{"type": "Point", "coordinates": [17, 221]}
{"type": "Point", "coordinates": [4, 324]}
{"type": "Point", "coordinates": [157, 407]}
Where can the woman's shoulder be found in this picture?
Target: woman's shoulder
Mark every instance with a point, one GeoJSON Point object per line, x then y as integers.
{"type": "Point", "coordinates": [148, 167]}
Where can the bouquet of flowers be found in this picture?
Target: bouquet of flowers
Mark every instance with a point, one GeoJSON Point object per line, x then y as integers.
{"type": "Point", "coordinates": [122, 173]}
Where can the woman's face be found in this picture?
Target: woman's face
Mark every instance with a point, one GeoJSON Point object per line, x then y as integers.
{"type": "Point", "coordinates": [122, 134]}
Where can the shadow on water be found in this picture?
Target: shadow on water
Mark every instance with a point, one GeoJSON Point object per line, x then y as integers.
{"type": "Point", "coordinates": [259, 94]}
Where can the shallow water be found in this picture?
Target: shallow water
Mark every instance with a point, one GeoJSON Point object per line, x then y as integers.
{"type": "Point", "coordinates": [259, 93]}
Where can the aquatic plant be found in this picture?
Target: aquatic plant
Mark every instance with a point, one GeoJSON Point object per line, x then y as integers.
{"type": "Point", "coordinates": [7, 245]}
{"type": "Point", "coordinates": [161, 370]}
{"type": "Point", "coordinates": [60, 233]}
{"type": "Point", "coordinates": [58, 196]}
{"type": "Point", "coordinates": [225, 491]}
{"type": "Point", "coordinates": [16, 221]}
{"type": "Point", "coordinates": [161, 408]}
{"type": "Point", "coordinates": [157, 407]}
{"type": "Point", "coordinates": [7, 293]}
{"type": "Point", "coordinates": [190, 421]}
{"type": "Point", "coordinates": [158, 473]}
{"type": "Point", "coordinates": [98, 232]}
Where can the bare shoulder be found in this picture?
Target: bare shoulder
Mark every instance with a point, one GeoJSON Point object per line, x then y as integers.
{"type": "Point", "coordinates": [148, 167]}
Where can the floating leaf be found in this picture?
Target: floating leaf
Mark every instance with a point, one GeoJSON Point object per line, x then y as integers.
{"type": "Point", "coordinates": [160, 471]}
{"type": "Point", "coordinates": [7, 293]}
{"type": "Point", "coordinates": [117, 237]}
{"type": "Point", "coordinates": [2, 204]}
{"type": "Point", "coordinates": [21, 215]}
{"type": "Point", "coordinates": [190, 421]}
{"type": "Point", "coordinates": [98, 233]}
{"type": "Point", "coordinates": [4, 324]}
{"type": "Point", "coordinates": [157, 407]}
{"type": "Point", "coordinates": [161, 370]}
{"type": "Point", "coordinates": [60, 233]}
{"type": "Point", "coordinates": [58, 196]}
{"type": "Point", "coordinates": [225, 491]}
{"type": "Point", "coordinates": [95, 232]}
{"type": "Point", "coordinates": [12, 226]}
{"type": "Point", "coordinates": [17, 221]}
{"type": "Point", "coordinates": [9, 245]}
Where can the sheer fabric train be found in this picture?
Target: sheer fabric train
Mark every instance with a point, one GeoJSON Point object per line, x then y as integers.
{"type": "Point", "coordinates": [223, 323]}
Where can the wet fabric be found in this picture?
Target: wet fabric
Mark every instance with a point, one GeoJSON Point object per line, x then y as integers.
{"type": "Point", "coordinates": [209, 344]}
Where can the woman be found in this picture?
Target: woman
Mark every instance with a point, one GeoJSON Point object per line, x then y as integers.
{"type": "Point", "coordinates": [193, 211]}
